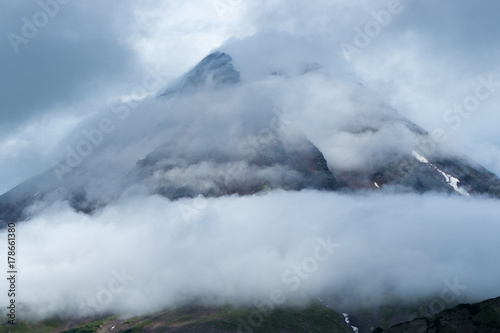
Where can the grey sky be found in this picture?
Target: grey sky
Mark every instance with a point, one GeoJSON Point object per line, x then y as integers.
{"type": "Point", "coordinates": [89, 54]}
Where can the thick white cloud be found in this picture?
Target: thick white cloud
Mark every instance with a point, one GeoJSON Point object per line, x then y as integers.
{"type": "Point", "coordinates": [239, 249]}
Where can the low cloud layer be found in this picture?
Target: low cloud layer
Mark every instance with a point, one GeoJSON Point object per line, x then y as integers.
{"type": "Point", "coordinates": [145, 253]}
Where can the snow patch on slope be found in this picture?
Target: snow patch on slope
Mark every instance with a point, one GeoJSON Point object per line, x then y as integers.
{"type": "Point", "coordinates": [347, 321]}
{"type": "Point", "coordinates": [453, 182]}
{"type": "Point", "coordinates": [450, 180]}
{"type": "Point", "coordinates": [419, 157]}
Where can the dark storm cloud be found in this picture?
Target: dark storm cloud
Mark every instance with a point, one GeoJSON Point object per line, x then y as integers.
{"type": "Point", "coordinates": [69, 58]}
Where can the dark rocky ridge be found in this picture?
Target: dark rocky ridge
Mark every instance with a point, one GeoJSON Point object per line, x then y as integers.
{"type": "Point", "coordinates": [273, 166]}
{"type": "Point", "coordinates": [215, 70]}
{"type": "Point", "coordinates": [421, 170]}
{"type": "Point", "coordinates": [464, 318]}
{"type": "Point", "coordinates": [406, 172]}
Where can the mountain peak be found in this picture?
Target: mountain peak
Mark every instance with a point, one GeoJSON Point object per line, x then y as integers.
{"type": "Point", "coordinates": [215, 70]}
{"type": "Point", "coordinates": [215, 60]}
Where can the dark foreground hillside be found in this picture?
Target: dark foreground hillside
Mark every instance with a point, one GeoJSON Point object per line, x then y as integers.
{"type": "Point", "coordinates": [464, 318]}
{"type": "Point", "coordinates": [316, 318]}
{"type": "Point", "coordinates": [203, 319]}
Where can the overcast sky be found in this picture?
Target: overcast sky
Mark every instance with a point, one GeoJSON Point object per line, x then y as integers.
{"type": "Point", "coordinates": [85, 56]}
{"type": "Point", "coordinates": [67, 71]}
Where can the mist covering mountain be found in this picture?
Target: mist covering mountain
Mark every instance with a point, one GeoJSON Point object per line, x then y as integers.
{"type": "Point", "coordinates": [219, 187]}
{"type": "Point", "coordinates": [221, 152]}
{"type": "Point", "coordinates": [219, 148]}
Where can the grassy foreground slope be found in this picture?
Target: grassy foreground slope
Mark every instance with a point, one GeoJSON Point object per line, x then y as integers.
{"type": "Point", "coordinates": [316, 318]}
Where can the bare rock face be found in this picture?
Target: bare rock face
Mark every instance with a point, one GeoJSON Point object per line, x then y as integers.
{"type": "Point", "coordinates": [274, 167]}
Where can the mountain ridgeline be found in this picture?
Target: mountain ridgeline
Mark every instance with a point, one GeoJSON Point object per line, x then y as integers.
{"type": "Point", "coordinates": [285, 160]}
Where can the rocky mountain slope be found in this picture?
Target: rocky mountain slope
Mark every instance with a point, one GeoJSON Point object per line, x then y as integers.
{"type": "Point", "coordinates": [254, 160]}
{"type": "Point", "coordinates": [464, 318]}
{"type": "Point", "coordinates": [204, 319]}
{"type": "Point", "coordinates": [422, 170]}
{"type": "Point", "coordinates": [257, 161]}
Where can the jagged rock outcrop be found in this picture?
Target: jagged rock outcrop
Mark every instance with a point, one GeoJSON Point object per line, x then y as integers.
{"type": "Point", "coordinates": [464, 318]}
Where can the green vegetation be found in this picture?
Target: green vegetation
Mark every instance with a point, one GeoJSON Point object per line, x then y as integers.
{"type": "Point", "coordinates": [488, 317]}
{"type": "Point", "coordinates": [91, 327]}
{"type": "Point", "coordinates": [137, 328]}
{"type": "Point", "coordinates": [314, 318]}
{"type": "Point", "coordinates": [20, 327]}
{"type": "Point", "coordinates": [47, 326]}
